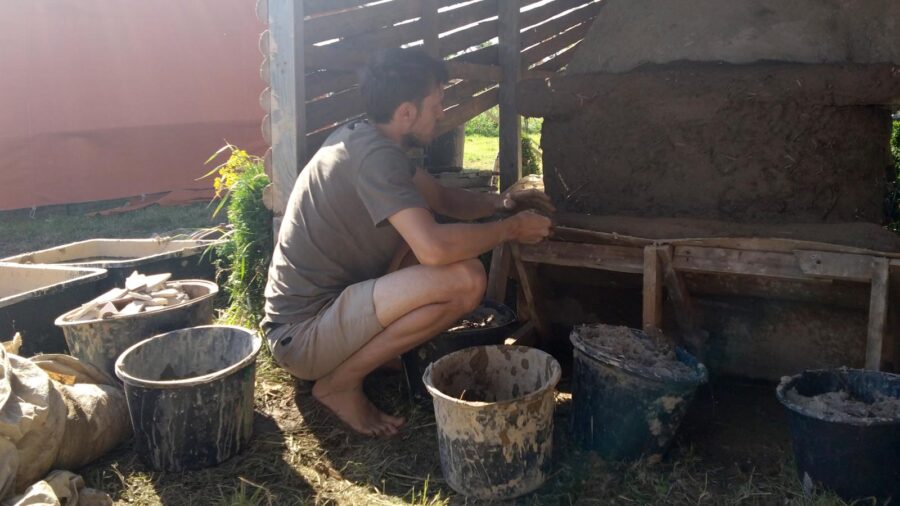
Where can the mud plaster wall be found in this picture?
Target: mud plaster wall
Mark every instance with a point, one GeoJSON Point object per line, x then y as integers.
{"type": "Point", "coordinates": [714, 157]}
{"type": "Point", "coordinates": [629, 33]}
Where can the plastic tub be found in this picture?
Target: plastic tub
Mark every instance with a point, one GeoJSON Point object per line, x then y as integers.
{"type": "Point", "coordinates": [100, 342]}
{"type": "Point", "coordinates": [624, 411]}
{"type": "Point", "coordinates": [854, 457]}
{"type": "Point", "coordinates": [185, 259]}
{"type": "Point", "coordinates": [32, 295]}
{"type": "Point", "coordinates": [190, 395]}
{"type": "Point", "coordinates": [494, 409]}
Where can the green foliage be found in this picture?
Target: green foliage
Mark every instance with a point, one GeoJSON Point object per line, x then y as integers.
{"type": "Point", "coordinates": [895, 143]}
{"type": "Point", "coordinates": [486, 124]}
{"type": "Point", "coordinates": [243, 258]}
{"type": "Point", "coordinates": [531, 157]}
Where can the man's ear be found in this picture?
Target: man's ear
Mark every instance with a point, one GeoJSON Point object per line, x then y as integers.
{"type": "Point", "coordinates": [406, 113]}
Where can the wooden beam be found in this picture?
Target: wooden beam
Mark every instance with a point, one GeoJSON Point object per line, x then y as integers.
{"type": "Point", "coordinates": [878, 308]}
{"type": "Point", "coordinates": [592, 256]}
{"type": "Point", "coordinates": [499, 273]}
{"type": "Point", "coordinates": [288, 114]}
{"type": "Point", "coordinates": [510, 122]}
{"type": "Point", "coordinates": [652, 308]}
{"type": "Point", "coordinates": [822, 264]}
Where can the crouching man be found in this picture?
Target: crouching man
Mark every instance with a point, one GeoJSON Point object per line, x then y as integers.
{"type": "Point", "coordinates": [334, 310]}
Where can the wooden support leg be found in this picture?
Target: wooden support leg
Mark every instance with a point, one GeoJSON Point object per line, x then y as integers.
{"type": "Point", "coordinates": [527, 280]}
{"type": "Point", "coordinates": [653, 285]}
{"type": "Point", "coordinates": [499, 274]}
{"type": "Point", "coordinates": [878, 299]}
{"type": "Point", "coordinates": [685, 312]}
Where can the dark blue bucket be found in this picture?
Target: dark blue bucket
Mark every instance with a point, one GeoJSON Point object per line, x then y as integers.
{"type": "Point", "coordinates": [853, 457]}
{"type": "Point", "coordinates": [625, 411]}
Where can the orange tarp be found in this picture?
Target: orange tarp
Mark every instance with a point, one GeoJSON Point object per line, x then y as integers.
{"type": "Point", "coordinates": [102, 99]}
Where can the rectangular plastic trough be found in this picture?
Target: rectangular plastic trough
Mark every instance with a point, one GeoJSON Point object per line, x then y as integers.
{"type": "Point", "coordinates": [32, 296]}
{"type": "Point", "coordinates": [185, 259]}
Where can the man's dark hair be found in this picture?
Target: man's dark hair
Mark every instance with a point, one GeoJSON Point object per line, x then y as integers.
{"type": "Point", "coordinates": [398, 75]}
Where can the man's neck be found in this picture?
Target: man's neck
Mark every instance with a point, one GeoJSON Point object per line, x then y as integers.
{"type": "Point", "coordinates": [391, 132]}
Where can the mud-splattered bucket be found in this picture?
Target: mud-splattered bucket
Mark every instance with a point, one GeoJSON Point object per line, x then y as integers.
{"type": "Point", "coordinates": [854, 457]}
{"type": "Point", "coordinates": [625, 411]}
{"type": "Point", "coordinates": [190, 395]}
{"type": "Point", "coordinates": [417, 359]}
{"type": "Point", "coordinates": [494, 409]}
{"type": "Point", "coordinates": [99, 342]}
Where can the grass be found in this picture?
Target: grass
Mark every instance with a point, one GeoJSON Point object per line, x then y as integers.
{"type": "Point", "coordinates": [480, 152]}
{"type": "Point", "coordinates": [55, 225]}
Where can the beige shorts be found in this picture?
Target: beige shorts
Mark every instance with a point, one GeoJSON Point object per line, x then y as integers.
{"type": "Point", "coordinates": [315, 347]}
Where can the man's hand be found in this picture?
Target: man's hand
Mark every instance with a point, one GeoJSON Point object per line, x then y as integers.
{"type": "Point", "coordinates": [528, 227]}
{"type": "Point", "coordinates": [521, 200]}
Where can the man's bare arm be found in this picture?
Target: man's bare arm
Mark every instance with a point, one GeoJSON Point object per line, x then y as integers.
{"type": "Point", "coordinates": [442, 244]}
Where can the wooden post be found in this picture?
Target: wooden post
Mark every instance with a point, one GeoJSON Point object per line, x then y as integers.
{"type": "Point", "coordinates": [653, 286]}
{"type": "Point", "coordinates": [287, 66]}
{"type": "Point", "coordinates": [528, 282]}
{"type": "Point", "coordinates": [510, 123]}
{"type": "Point", "coordinates": [499, 275]}
{"type": "Point", "coordinates": [878, 306]}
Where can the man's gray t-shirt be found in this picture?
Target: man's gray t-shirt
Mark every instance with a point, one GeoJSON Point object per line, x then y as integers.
{"type": "Point", "coordinates": [335, 231]}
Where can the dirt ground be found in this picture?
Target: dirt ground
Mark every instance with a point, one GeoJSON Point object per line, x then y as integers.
{"type": "Point", "coordinates": [732, 449]}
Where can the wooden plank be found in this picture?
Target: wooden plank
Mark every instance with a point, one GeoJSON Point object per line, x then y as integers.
{"type": "Point", "coordinates": [327, 7]}
{"type": "Point", "coordinates": [470, 37]}
{"type": "Point", "coordinates": [652, 309]}
{"type": "Point", "coordinates": [554, 45]}
{"type": "Point", "coordinates": [499, 273]}
{"type": "Point", "coordinates": [360, 20]}
{"type": "Point", "coordinates": [592, 256]}
{"type": "Point", "coordinates": [556, 63]}
{"type": "Point", "coordinates": [510, 122]}
{"type": "Point", "coordinates": [540, 14]}
{"type": "Point", "coordinates": [335, 58]}
{"type": "Point", "coordinates": [467, 110]}
{"type": "Point", "coordinates": [333, 109]}
{"type": "Point", "coordinates": [878, 308]}
{"type": "Point", "coordinates": [474, 71]}
{"type": "Point", "coordinates": [429, 27]}
{"type": "Point", "coordinates": [553, 27]}
{"type": "Point", "coordinates": [735, 261]}
{"type": "Point", "coordinates": [288, 116]}
{"type": "Point", "coordinates": [528, 282]}
{"type": "Point", "coordinates": [468, 14]}
{"type": "Point", "coordinates": [463, 91]}
{"type": "Point", "coordinates": [329, 81]}
{"type": "Point", "coordinates": [822, 264]}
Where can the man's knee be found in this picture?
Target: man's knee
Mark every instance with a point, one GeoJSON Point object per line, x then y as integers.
{"type": "Point", "coordinates": [473, 280]}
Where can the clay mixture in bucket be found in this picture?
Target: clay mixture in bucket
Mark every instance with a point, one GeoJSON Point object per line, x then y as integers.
{"type": "Point", "coordinates": [842, 405]}
{"type": "Point", "coordinates": [635, 348]}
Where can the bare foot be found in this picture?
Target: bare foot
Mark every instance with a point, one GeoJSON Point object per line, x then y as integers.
{"type": "Point", "coordinates": [354, 408]}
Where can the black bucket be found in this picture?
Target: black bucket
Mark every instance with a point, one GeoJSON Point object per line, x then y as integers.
{"type": "Point", "coordinates": [625, 411]}
{"type": "Point", "coordinates": [190, 395]}
{"type": "Point", "coordinates": [416, 360]}
{"type": "Point", "coordinates": [853, 457]}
